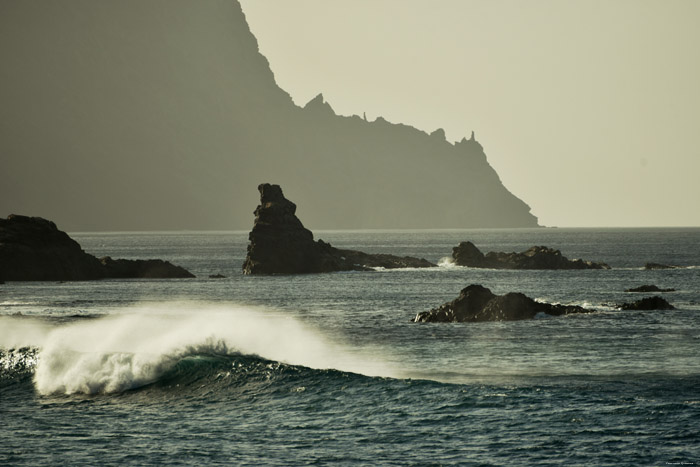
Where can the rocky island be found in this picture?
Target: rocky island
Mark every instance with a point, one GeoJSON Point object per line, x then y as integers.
{"type": "Point", "coordinates": [280, 244]}
{"type": "Point", "coordinates": [477, 303]}
{"type": "Point", "coordinates": [34, 249]}
{"type": "Point", "coordinates": [536, 257]}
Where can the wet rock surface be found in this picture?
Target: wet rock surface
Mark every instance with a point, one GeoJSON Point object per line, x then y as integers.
{"type": "Point", "coordinates": [476, 303]}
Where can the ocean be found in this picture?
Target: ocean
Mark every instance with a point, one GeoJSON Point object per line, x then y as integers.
{"type": "Point", "coordinates": [328, 369]}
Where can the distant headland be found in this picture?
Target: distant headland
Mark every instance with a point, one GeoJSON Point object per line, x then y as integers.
{"type": "Point", "coordinates": [188, 119]}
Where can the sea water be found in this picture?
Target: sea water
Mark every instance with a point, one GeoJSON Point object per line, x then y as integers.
{"type": "Point", "coordinates": [328, 369]}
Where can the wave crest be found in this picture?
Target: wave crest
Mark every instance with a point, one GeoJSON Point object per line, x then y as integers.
{"type": "Point", "coordinates": [127, 351]}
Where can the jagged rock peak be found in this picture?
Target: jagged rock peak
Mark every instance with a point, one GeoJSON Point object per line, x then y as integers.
{"type": "Point", "coordinates": [470, 142]}
{"type": "Point", "coordinates": [272, 194]}
{"type": "Point", "coordinates": [439, 134]}
{"type": "Point", "coordinates": [318, 103]}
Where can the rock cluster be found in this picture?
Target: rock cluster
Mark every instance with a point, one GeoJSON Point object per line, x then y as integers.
{"type": "Point", "coordinates": [280, 244]}
{"type": "Point", "coordinates": [536, 257]}
{"type": "Point", "coordinates": [649, 288]}
{"type": "Point", "coordinates": [142, 269]}
{"type": "Point", "coordinates": [477, 303]}
{"type": "Point", "coordinates": [34, 249]}
{"type": "Point", "coordinates": [655, 266]}
{"type": "Point", "coordinates": [648, 303]}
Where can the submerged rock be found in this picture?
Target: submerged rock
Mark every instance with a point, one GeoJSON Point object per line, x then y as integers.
{"type": "Point", "coordinates": [477, 303]}
{"type": "Point", "coordinates": [648, 303]}
{"type": "Point", "coordinates": [280, 244]}
{"type": "Point", "coordinates": [649, 288]}
{"type": "Point", "coordinates": [34, 249]}
{"type": "Point", "coordinates": [536, 257]}
{"type": "Point", "coordinates": [653, 266]}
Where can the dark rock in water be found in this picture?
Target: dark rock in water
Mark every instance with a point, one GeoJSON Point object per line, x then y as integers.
{"type": "Point", "coordinates": [467, 254]}
{"type": "Point", "coordinates": [217, 276]}
{"type": "Point", "coordinates": [648, 303]}
{"type": "Point", "coordinates": [34, 249]}
{"type": "Point", "coordinates": [477, 303]}
{"type": "Point", "coordinates": [653, 266]}
{"type": "Point", "coordinates": [536, 257]}
{"type": "Point", "coordinates": [649, 288]}
{"type": "Point", "coordinates": [280, 244]}
{"type": "Point", "coordinates": [382, 260]}
{"type": "Point", "coordinates": [142, 269]}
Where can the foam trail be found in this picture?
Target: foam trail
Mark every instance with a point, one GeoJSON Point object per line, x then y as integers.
{"type": "Point", "coordinates": [125, 351]}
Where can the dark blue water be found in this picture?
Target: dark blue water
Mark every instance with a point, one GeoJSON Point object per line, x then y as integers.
{"type": "Point", "coordinates": [328, 369]}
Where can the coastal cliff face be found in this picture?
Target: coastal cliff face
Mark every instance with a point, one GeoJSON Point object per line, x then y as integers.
{"type": "Point", "coordinates": [177, 108]}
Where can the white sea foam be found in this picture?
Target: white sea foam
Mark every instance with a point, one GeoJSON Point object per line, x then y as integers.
{"type": "Point", "coordinates": [125, 351]}
{"type": "Point", "coordinates": [447, 262]}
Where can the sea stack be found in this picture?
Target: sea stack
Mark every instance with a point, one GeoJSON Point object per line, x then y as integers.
{"type": "Point", "coordinates": [280, 244]}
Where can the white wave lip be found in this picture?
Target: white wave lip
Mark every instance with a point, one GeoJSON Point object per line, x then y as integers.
{"type": "Point", "coordinates": [122, 352]}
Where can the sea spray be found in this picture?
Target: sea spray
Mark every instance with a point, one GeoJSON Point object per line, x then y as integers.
{"type": "Point", "coordinates": [129, 350]}
{"type": "Point", "coordinates": [22, 331]}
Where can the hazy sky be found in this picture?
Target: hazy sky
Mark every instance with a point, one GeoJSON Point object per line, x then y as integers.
{"type": "Point", "coordinates": [589, 110]}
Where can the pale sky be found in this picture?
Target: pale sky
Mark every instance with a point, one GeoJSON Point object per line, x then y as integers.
{"type": "Point", "coordinates": [589, 110]}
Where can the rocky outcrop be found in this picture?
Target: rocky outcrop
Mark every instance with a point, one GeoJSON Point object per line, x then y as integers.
{"type": "Point", "coordinates": [536, 257]}
{"type": "Point", "coordinates": [649, 288]}
{"type": "Point", "coordinates": [382, 260]}
{"type": "Point", "coordinates": [280, 244]}
{"type": "Point", "coordinates": [648, 303]}
{"type": "Point", "coordinates": [477, 303]}
{"type": "Point", "coordinates": [654, 266]}
{"type": "Point", "coordinates": [142, 269]}
{"type": "Point", "coordinates": [34, 249]}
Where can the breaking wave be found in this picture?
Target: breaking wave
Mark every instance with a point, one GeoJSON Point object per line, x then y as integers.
{"type": "Point", "coordinates": [145, 345]}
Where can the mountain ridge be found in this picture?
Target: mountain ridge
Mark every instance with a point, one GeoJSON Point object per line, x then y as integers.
{"type": "Point", "coordinates": [165, 116]}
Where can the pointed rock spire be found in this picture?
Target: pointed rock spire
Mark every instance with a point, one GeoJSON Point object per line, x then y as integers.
{"type": "Point", "coordinates": [319, 104]}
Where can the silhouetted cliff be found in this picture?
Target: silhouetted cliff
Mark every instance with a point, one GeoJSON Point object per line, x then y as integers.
{"type": "Point", "coordinates": [164, 115]}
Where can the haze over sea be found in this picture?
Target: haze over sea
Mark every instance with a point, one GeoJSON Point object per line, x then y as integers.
{"type": "Point", "coordinates": [328, 369]}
